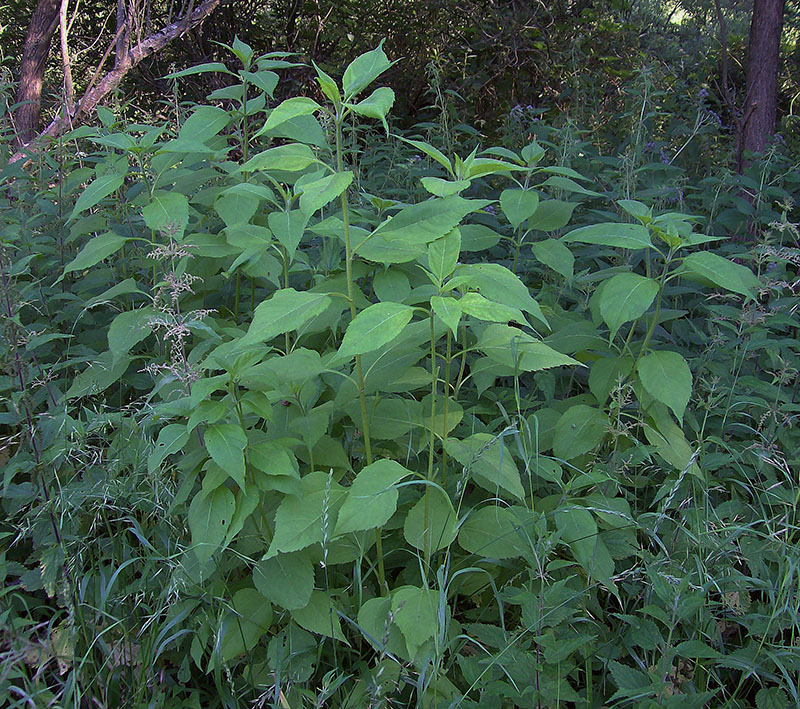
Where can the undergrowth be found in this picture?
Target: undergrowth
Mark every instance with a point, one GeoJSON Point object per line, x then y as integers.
{"type": "Point", "coordinates": [300, 412]}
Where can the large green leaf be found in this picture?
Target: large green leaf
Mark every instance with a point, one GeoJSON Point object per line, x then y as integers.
{"type": "Point", "coordinates": [204, 123]}
{"type": "Point", "coordinates": [129, 328]}
{"type": "Point", "coordinates": [167, 213]}
{"type": "Point", "coordinates": [249, 621]}
{"type": "Point", "coordinates": [320, 617]}
{"type": "Point", "coordinates": [376, 105]}
{"type": "Point", "coordinates": [209, 517]}
{"type": "Point", "coordinates": [518, 205]}
{"type": "Point", "coordinates": [579, 530]}
{"type": "Point", "coordinates": [225, 443]}
{"type": "Point", "coordinates": [292, 157]}
{"type": "Point", "coordinates": [288, 228]}
{"type": "Point", "coordinates": [490, 532]}
{"type": "Point", "coordinates": [318, 193]}
{"type": "Point", "coordinates": [287, 580]}
{"type": "Point", "coordinates": [721, 272]}
{"type": "Point", "coordinates": [95, 250]}
{"type": "Point", "coordinates": [101, 373]}
{"type": "Point", "coordinates": [475, 305]}
{"type": "Point", "coordinates": [427, 221]}
{"type": "Point", "coordinates": [443, 254]}
{"type": "Point", "coordinates": [553, 253]}
{"type": "Point", "coordinates": [580, 429]}
{"type": "Point", "coordinates": [497, 283]}
{"type": "Point", "coordinates": [667, 378]}
{"type": "Point", "coordinates": [626, 297]}
{"type": "Point", "coordinates": [372, 498]}
{"type": "Point", "coordinates": [374, 327]}
{"type": "Point", "coordinates": [98, 190]}
{"type": "Point", "coordinates": [625, 236]}
{"type": "Point", "coordinates": [289, 109]}
{"type": "Point", "coordinates": [448, 310]}
{"type": "Point", "coordinates": [513, 348]}
{"type": "Point", "coordinates": [310, 517]}
{"type": "Point", "coordinates": [416, 613]}
{"type": "Point", "coordinates": [363, 70]}
{"type": "Point", "coordinates": [552, 214]}
{"type": "Point", "coordinates": [488, 462]}
{"type": "Point", "coordinates": [285, 311]}
{"type": "Point", "coordinates": [431, 524]}
{"type": "Point", "coordinates": [236, 207]}
{"type": "Point", "coordinates": [170, 440]}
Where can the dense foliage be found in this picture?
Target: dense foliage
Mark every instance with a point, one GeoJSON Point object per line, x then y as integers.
{"type": "Point", "coordinates": [299, 411]}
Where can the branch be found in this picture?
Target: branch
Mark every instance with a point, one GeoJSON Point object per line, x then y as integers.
{"type": "Point", "coordinates": [148, 46]}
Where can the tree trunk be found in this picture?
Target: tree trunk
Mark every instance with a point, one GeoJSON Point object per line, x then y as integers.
{"type": "Point", "coordinates": [99, 87]}
{"type": "Point", "coordinates": [35, 51]}
{"type": "Point", "coordinates": [760, 111]}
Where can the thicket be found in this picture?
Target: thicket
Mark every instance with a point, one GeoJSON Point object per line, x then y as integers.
{"type": "Point", "coordinates": [301, 410]}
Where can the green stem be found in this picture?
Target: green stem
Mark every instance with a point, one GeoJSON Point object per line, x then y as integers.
{"type": "Point", "coordinates": [432, 442]}
{"type": "Point", "coordinates": [362, 400]}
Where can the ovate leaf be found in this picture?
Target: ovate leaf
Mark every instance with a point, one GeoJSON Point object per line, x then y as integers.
{"type": "Point", "coordinates": [553, 253]}
{"type": "Point", "coordinates": [488, 462]}
{"type": "Point", "coordinates": [225, 443]}
{"type": "Point", "coordinates": [98, 190]}
{"type": "Point", "coordinates": [626, 297]}
{"type": "Point", "coordinates": [96, 249]}
{"type": "Point", "coordinates": [518, 205]}
{"type": "Point", "coordinates": [285, 311]}
{"type": "Point", "coordinates": [320, 617]}
{"type": "Point", "coordinates": [249, 620]}
{"type": "Point", "coordinates": [372, 498]}
{"type": "Point", "coordinates": [209, 517]}
{"type": "Point", "coordinates": [625, 236]}
{"type": "Point", "coordinates": [287, 580]}
{"type": "Point", "coordinates": [580, 429]}
{"type": "Point", "coordinates": [721, 272]}
{"type": "Point", "coordinates": [579, 530]}
{"type": "Point", "coordinates": [290, 108]}
{"type": "Point", "coordinates": [431, 524]}
{"type": "Point", "coordinates": [490, 532]}
{"type": "Point", "coordinates": [363, 70]}
{"type": "Point", "coordinates": [667, 378]}
{"type": "Point", "coordinates": [374, 327]}
{"type": "Point", "coordinates": [416, 614]}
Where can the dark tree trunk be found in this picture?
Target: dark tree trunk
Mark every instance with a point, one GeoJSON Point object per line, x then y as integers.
{"type": "Point", "coordinates": [760, 111]}
{"type": "Point", "coordinates": [35, 51]}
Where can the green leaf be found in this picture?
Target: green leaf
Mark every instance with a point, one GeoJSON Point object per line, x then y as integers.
{"type": "Point", "coordinates": [128, 329]}
{"type": "Point", "coordinates": [606, 373]}
{"type": "Point", "coordinates": [328, 85]}
{"type": "Point", "coordinates": [292, 157]}
{"type": "Point", "coordinates": [376, 105]}
{"type": "Point", "coordinates": [488, 462]}
{"type": "Point", "coordinates": [497, 283]}
{"type": "Point", "coordinates": [696, 650]}
{"type": "Point", "coordinates": [287, 580]}
{"type": "Point", "coordinates": [554, 254]}
{"type": "Point", "coordinates": [416, 613]}
{"type": "Point", "coordinates": [444, 188]}
{"type": "Point", "coordinates": [287, 110]}
{"type": "Point", "coordinates": [519, 350]}
{"type": "Point", "coordinates": [264, 80]}
{"type": "Point", "coordinates": [250, 620]}
{"type": "Point", "coordinates": [96, 191]}
{"type": "Point", "coordinates": [443, 254]}
{"type": "Point", "coordinates": [236, 207]}
{"type": "Point", "coordinates": [171, 439]}
{"type": "Point", "coordinates": [772, 698]}
{"type": "Point", "coordinates": [204, 123]}
{"type": "Point", "coordinates": [288, 228]}
{"type": "Point", "coordinates": [579, 430]}
{"type": "Point", "coordinates": [568, 185]}
{"type": "Point", "coordinates": [375, 621]}
{"type": "Point", "coordinates": [518, 205]}
{"type": "Point", "coordinates": [320, 617]}
{"type": "Point", "coordinates": [426, 221]}
{"type": "Point", "coordinates": [625, 236]}
{"type": "Point", "coordinates": [225, 443]}
{"type": "Point", "coordinates": [168, 213]}
{"type": "Point", "coordinates": [552, 214]}
{"type": "Point", "coordinates": [431, 152]}
{"type": "Point", "coordinates": [300, 520]}
{"type": "Point", "coordinates": [448, 310]}
{"type": "Point", "coordinates": [475, 305]}
{"type": "Point", "coordinates": [101, 373]}
{"type": "Point", "coordinates": [667, 378]}
{"type": "Point", "coordinates": [721, 272]}
{"type": "Point", "coordinates": [490, 532]}
{"type": "Point", "coordinates": [363, 70]}
{"type": "Point", "coordinates": [627, 678]}
{"type": "Point", "coordinates": [285, 311]}
{"type": "Point", "coordinates": [391, 285]}
{"type": "Point", "coordinates": [374, 327]}
{"type": "Point", "coordinates": [431, 524]}
{"type": "Point", "coordinates": [96, 249]}
{"type": "Point", "coordinates": [579, 530]}
{"type": "Point", "coordinates": [200, 69]}
{"type": "Point", "coordinates": [637, 210]}
{"type": "Point", "coordinates": [318, 193]}
{"type": "Point", "coordinates": [626, 297]}
{"type": "Point", "coordinates": [209, 517]}
{"type": "Point", "coordinates": [372, 498]}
